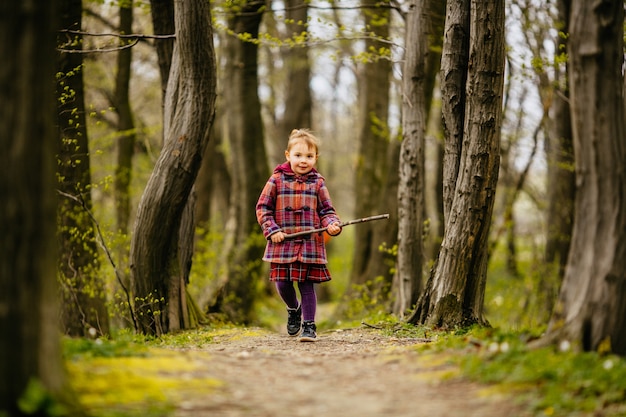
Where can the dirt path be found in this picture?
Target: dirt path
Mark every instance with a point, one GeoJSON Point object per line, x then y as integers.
{"type": "Point", "coordinates": [346, 373]}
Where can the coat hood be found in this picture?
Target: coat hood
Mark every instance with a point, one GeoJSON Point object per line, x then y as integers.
{"type": "Point", "coordinates": [286, 168]}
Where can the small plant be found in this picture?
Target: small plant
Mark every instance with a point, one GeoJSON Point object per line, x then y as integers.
{"type": "Point", "coordinates": [369, 298]}
{"type": "Point", "coordinates": [551, 381]}
{"type": "Point", "coordinates": [123, 344]}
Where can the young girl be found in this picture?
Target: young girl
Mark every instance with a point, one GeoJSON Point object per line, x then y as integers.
{"type": "Point", "coordinates": [295, 199]}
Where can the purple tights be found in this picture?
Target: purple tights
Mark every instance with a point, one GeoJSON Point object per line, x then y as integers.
{"type": "Point", "coordinates": [287, 292]}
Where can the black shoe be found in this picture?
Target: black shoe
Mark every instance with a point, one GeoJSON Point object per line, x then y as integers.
{"type": "Point", "coordinates": [294, 321]}
{"type": "Point", "coordinates": [308, 332]}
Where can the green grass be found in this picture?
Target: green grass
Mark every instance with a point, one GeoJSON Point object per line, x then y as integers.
{"type": "Point", "coordinates": [518, 302]}
{"type": "Point", "coordinates": [133, 375]}
{"type": "Point", "coordinates": [551, 382]}
{"type": "Point", "coordinates": [115, 377]}
{"type": "Point", "coordinates": [546, 381]}
{"type": "Point", "coordinates": [127, 373]}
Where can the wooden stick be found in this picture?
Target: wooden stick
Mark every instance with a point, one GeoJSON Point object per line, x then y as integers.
{"type": "Point", "coordinates": [323, 229]}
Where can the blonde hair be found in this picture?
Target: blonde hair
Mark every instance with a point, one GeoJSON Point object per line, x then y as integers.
{"type": "Point", "coordinates": [304, 135]}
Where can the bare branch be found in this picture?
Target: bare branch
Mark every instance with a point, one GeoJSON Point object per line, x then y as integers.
{"type": "Point", "coordinates": [104, 247]}
{"type": "Point", "coordinates": [99, 50]}
{"type": "Point", "coordinates": [118, 35]}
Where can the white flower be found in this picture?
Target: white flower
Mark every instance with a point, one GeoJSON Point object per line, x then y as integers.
{"type": "Point", "coordinates": [498, 300]}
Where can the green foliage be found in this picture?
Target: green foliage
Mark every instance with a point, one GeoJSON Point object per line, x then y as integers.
{"type": "Point", "coordinates": [373, 54]}
{"type": "Point", "coordinates": [208, 264]}
{"type": "Point", "coordinates": [148, 310]}
{"type": "Point", "coordinates": [551, 381]}
{"type": "Point", "coordinates": [128, 373]}
{"type": "Point", "coordinates": [520, 302]}
{"type": "Point", "coordinates": [340, 252]}
{"type": "Point", "coordinates": [138, 375]}
{"type": "Point", "coordinates": [123, 344]}
{"type": "Point", "coordinates": [36, 400]}
{"type": "Point", "coordinates": [367, 299]}
{"type": "Point", "coordinates": [548, 381]}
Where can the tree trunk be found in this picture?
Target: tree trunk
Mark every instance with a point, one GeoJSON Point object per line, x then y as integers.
{"type": "Point", "coordinates": [125, 124]}
{"type": "Point", "coordinates": [454, 59]}
{"type": "Point", "coordinates": [454, 293]}
{"type": "Point", "coordinates": [82, 291]}
{"type": "Point", "coordinates": [411, 185]}
{"type": "Point", "coordinates": [189, 113]}
{"type": "Point", "coordinates": [162, 12]}
{"type": "Point", "coordinates": [213, 184]}
{"type": "Point", "coordinates": [29, 341]}
{"type": "Point", "coordinates": [591, 308]}
{"type": "Point", "coordinates": [249, 169]}
{"type": "Point", "coordinates": [560, 154]}
{"type": "Point", "coordinates": [372, 160]}
{"type": "Point", "coordinates": [436, 10]}
{"type": "Point", "coordinates": [422, 63]}
{"type": "Point", "coordinates": [298, 101]}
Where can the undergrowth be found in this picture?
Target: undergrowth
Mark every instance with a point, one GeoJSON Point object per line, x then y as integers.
{"type": "Point", "coordinates": [119, 376]}
{"type": "Point", "coordinates": [130, 374]}
{"type": "Point", "coordinates": [549, 381]}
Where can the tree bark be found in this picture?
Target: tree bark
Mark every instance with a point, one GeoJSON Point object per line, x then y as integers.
{"type": "Point", "coordinates": [454, 293]}
{"type": "Point", "coordinates": [411, 184]}
{"type": "Point", "coordinates": [436, 10]}
{"type": "Point", "coordinates": [298, 101]}
{"type": "Point", "coordinates": [162, 12]}
{"type": "Point", "coordinates": [453, 83]}
{"type": "Point", "coordinates": [560, 154]}
{"type": "Point", "coordinates": [82, 291]}
{"type": "Point", "coordinates": [189, 113]}
{"type": "Point", "coordinates": [591, 308]}
{"type": "Point", "coordinates": [29, 333]}
{"type": "Point", "coordinates": [213, 185]}
{"type": "Point", "coordinates": [422, 64]}
{"type": "Point", "coordinates": [125, 123]}
{"type": "Point", "coordinates": [372, 169]}
{"type": "Point", "coordinates": [249, 169]}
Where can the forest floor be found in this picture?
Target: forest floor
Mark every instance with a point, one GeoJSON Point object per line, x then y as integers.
{"type": "Point", "coordinates": [347, 372]}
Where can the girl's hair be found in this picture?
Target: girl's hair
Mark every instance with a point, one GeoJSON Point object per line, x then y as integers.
{"type": "Point", "coordinates": [304, 135]}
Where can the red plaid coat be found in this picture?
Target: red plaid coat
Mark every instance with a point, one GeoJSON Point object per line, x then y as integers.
{"type": "Point", "coordinates": [293, 203]}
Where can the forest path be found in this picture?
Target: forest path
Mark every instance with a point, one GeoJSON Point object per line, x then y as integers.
{"type": "Point", "coordinates": [352, 372]}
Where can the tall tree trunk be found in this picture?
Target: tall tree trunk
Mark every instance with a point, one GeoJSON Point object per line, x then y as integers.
{"type": "Point", "coordinates": [82, 291]}
{"type": "Point", "coordinates": [411, 185]}
{"type": "Point", "coordinates": [591, 307]}
{"type": "Point", "coordinates": [249, 169]}
{"type": "Point", "coordinates": [162, 12]}
{"type": "Point", "coordinates": [189, 111]}
{"type": "Point", "coordinates": [213, 184]}
{"type": "Point", "coordinates": [373, 156]}
{"type": "Point", "coordinates": [298, 102]}
{"type": "Point", "coordinates": [560, 154]}
{"type": "Point", "coordinates": [421, 64]}
{"type": "Point", "coordinates": [454, 293]}
{"type": "Point", "coordinates": [125, 124]}
{"type": "Point", "coordinates": [164, 25]}
{"type": "Point", "coordinates": [436, 25]}
{"type": "Point", "coordinates": [29, 337]}
{"type": "Point", "coordinates": [453, 92]}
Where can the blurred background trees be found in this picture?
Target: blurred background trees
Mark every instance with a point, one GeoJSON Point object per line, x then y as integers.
{"type": "Point", "coordinates": [336, 67]}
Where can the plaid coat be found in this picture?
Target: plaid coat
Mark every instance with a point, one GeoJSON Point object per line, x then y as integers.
{"type": "Point", "coordinates": [292, 203]}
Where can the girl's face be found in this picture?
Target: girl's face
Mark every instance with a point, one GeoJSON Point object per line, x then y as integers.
{"type": "Point", "coordinates": [301, 157]}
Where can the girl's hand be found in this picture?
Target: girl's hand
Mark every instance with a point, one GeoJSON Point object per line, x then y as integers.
{"type": "Point", "coordinates": [277, 237]}
{"type": "Point", "coordinates": [333, 229]}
